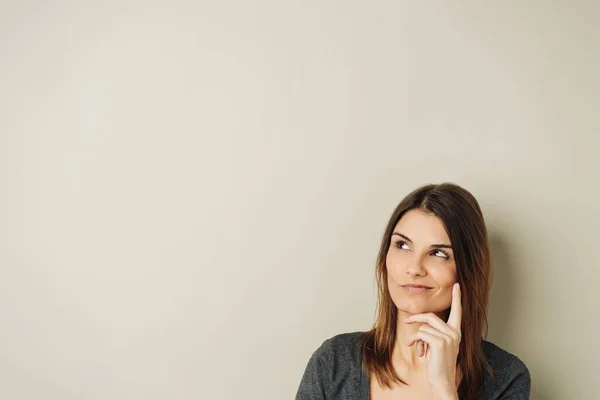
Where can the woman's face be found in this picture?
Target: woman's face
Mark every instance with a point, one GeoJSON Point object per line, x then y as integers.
{"type": "Point", "coordinates": [420, 264]}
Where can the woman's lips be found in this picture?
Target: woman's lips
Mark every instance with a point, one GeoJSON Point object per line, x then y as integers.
{"type": "Point", "coordinates": [416, 289]}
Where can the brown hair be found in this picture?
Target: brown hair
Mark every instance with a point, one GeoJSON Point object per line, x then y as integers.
{"type": "Point", "coordinates": [463, 220]}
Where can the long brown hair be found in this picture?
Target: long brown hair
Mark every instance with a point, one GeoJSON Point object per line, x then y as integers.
{"type": "Point", "coordinates": [463, 220]}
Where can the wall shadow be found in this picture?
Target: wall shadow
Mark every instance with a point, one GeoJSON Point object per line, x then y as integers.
{"type": "Point", "coordinates": [502, 306]}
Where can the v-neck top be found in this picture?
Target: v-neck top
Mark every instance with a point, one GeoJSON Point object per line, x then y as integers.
{"type": "Point", "coordinates": [334, 371]}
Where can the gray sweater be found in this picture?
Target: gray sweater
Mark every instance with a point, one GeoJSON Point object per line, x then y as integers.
{"type": "Point", "coordinates": [334, 371]}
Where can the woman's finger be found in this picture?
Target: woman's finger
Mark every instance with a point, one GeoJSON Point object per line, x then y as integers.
{"type": "Point", "coordinates": [435, 322]}
{"type": "Point", "coordinates": [455, 318]}
{"type": "Point", "coordinates": [434, 332]}
{"type": "Point", "coordinates": [428, 338]}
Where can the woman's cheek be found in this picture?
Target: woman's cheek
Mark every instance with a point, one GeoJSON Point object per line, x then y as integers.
{"type": "Point", "coordinates": [392, 274]}
{"type": "Point", "coordinates": [394, 266]}
{"type": "Point", "coordinates": [444, 273]}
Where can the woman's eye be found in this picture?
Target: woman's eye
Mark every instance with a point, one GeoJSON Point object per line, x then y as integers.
{"type": "Point", "coordinates": [439, 253]}
{"type": "Point", "coordinates": [401, 245]}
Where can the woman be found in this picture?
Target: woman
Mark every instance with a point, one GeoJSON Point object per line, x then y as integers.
{"type": "Point", "coordinates": [433, 273]}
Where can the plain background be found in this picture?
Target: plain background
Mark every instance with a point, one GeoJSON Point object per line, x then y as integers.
{"type": "Point", "coordinates": [192, 194]}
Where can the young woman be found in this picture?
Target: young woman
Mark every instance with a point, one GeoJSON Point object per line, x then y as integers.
{"type": "Point", "coordinates": [433, 273]}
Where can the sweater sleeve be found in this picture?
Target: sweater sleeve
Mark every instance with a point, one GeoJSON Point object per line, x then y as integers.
{"type": "Point", "coordinates": [316, 378]}
{"type": "Point", "coordinates": [517, 381]}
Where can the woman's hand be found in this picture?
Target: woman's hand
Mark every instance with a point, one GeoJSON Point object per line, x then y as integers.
{"type": "Point", "coordinates": [441, 344]}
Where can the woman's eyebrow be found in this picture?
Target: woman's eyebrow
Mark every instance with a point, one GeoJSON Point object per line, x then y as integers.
{"type": "Point", "coordinates": [402, 236]}
{"type": "Point", "coordinates": [437, 246]}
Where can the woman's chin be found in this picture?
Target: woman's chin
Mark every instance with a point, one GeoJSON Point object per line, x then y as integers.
{"type": "Point", "coordinates": [412, 309]}
{"type": "Point", "coordinates": [419, 309]}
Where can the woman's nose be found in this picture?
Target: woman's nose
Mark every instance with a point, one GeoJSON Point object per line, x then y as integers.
{"type": "Point", "coordinates": [415, 268]}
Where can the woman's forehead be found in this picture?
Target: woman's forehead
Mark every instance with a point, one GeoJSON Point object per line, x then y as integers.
{"type": "Point", "coordinates": [422, 226]}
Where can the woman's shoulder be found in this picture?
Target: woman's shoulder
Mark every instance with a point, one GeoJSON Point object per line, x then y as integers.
{"type": "Point", "coordinates": [334, 370]}
{"type": "Point", "coordinates": [341, 346]}
{"type": "Point", "coordinates": [345, 340]}
{"type": "Point", "coordinates": [511, 373]}
{"type": "Point", "coordinates": [500, 359]}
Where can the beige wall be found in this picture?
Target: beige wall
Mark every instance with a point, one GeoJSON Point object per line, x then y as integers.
{"type": "Point", "coordinates": [192, 193]}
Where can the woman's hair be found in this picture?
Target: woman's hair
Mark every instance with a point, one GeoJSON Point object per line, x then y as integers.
{"type": "Point", "coordinates": [463, 220]}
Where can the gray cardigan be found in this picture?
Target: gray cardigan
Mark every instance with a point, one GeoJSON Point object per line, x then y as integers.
{"type": "Point", "coordinates": [334, 371]}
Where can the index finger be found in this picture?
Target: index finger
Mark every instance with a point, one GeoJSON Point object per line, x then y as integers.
{"type": "Point", "coordinates": [455, 318]}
